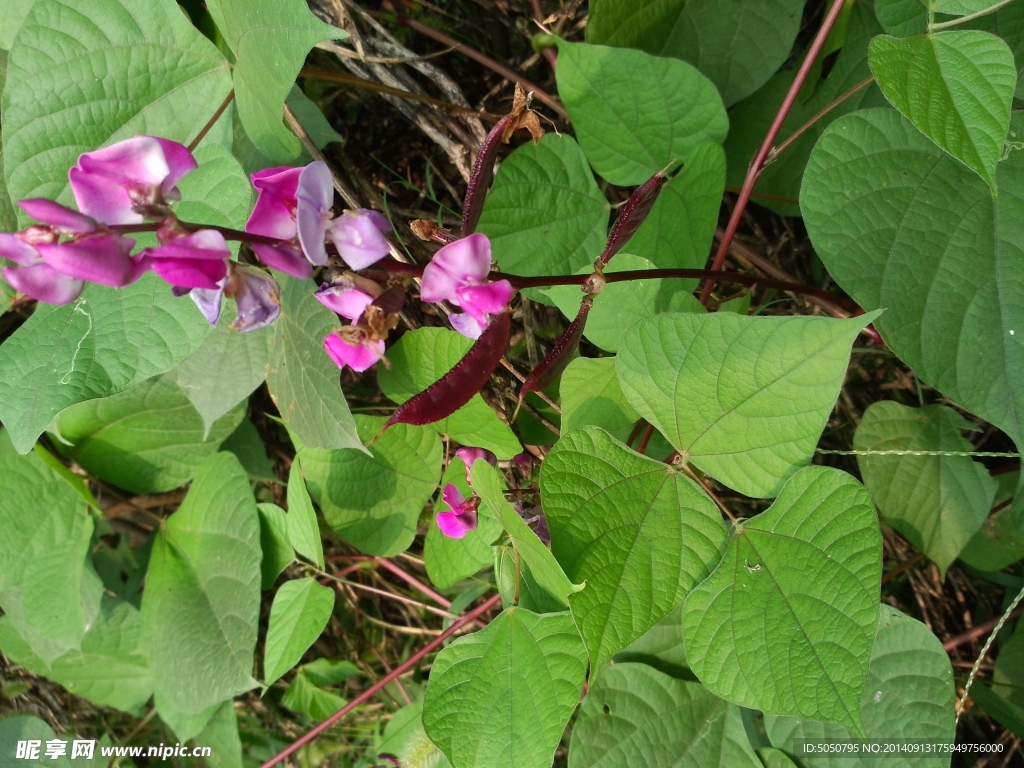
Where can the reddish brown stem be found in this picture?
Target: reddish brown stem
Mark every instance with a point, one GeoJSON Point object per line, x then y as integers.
{"type": "Point", "coordinates": [757, 165]}
{"type": "Point", "coordinates": [642, 448]}
{"type": "Point", "coordinates": [216, 116]}
{"type": "Point", "coordinates": [487, 61]}
{"type": "Point", "coordinates": [412, 581]}
{"type": "Point", "coordinates": [977, 632]}
{"type": "Point", "coordinates": [408, 664]}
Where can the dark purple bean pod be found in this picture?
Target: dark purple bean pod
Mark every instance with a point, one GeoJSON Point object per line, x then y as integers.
{"type": "Point", "coordinates": [453, 390]}
{"type": "Point", "coordinates": [481, 176]}
{"type": "Point", "coordinates": [391, 301]}
{"type": "Point", "coordinates": [560, 355]}
{"type": "Point", "coordinates": [631, 216]}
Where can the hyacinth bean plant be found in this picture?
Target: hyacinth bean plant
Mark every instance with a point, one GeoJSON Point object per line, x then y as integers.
{"type": "Point", "coordinates": [640, 550]}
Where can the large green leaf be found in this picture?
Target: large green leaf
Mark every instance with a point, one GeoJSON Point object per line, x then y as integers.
{"type": "Point", "coordinates": [221, 735]}
{"type": "Point", "coordinates": [998, 543]}
{"type": "Point", "coordinates": [405, 738]}
{"type": "Point", "coordinates": [544, 213]}
{"type": "Point", "coordinates": [450, 560]}
{"type": "Point", "coordinates": [423, 356]}
{"type": "Point", "coordinates": [500, 698]}
{"type": "Point", "coordinates": [545, 570]}
{"type": "Point", "coordinates": [22, 728]}
{"type": "Point", "coordinates": [622, 304]}
{"type": "Point", "coordinates": [303, 382]}
{"type": "Point", "coordinates": [909, 692]}
{"type": "Point", "coordinates": [275, 545]}
{"type": "Point", "coordinates": [301, 610]}
{"type": "Point", "coordinates": [678, 231]}
{"type": "Point", "coordinates": [637, 531]}
{"type": "Point", "coordinates": [637, 716]}
{"type": "Point", "coordinates": [373, 499]}
{"type": "Point", "coordinates": [902, 18]}
{"type": "Point", "coordinates": [107, 341]}
{"type": "Point", "coordinates": [590, 394]}
{"type": "Point", "coordinates": [145, 440]}
{"type": "Point", "coordinates": [46, 533]}
{"type": "Point", "coordinates": [901, 225]}
{"type": "Point", "coordinates": [779, 183]}
{"type": "Point", "coordinates": [84, 74]}
{"type": "Point", "coordinates": [738, 44]}
{"type": "Point", "coordinates": [303, 529]}
{"type": "Point", "coordinates": [635, 113]}
{"type": "Point", "coordinates": [743, 398]}
{"type": "Point", "coordinates": [937, 502]}
{"type": "Point", "coordinates": [109, 669]}
{"type": "Point", "coordinates": [786, 622]}
{"type": "Point", "coordinates": [1008, 675]}
{"type": "Point", "coordinates": [270, 40]}
{"type": "Point", "coordinates": [202, 599]}
{"type": "Point", "coordinates": [956, 87]}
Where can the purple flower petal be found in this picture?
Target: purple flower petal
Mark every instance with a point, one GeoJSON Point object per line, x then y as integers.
{"type": "Point", "coordinates": [467, 260]}
{"type": "Point", "coordinates": [209, 301]}
{"type": "Point", "coordinates": [437, 284]}
{"type": "Point", "coordinates": [103, 198]}
{"type": "Point", "coordinates": [282, 181]}
{"type": "Point", "coordinates": [358, 239]}
{"type": "Point", "coordinates": [17, 250]}
{"type": "Point", "coordinates": [191, 273]}
{"type": "Point", "coordinates": [455, 525]}
{"type": "Point", "coordinates": [258, 297]}
{"type": "Point", "coordinates": [203, 244]}
{"type": "Point", "coordinates": [58, 216]}
{"type": "Point", "coordinates": [43, 283]}
{"type": "Point", "coordinates": [358, 357]}
{"type": "Point", "coordinates": [343, 298]}
{"type": "Point", "coordinates": [140, 159]}
{"type": "Point", "coordinates": [380, 221]}
{"type": "Point", "coordinates": [465, 324]}
{"type": "Point", "coordinates": [453, 497]}
{"type": "Point", "coordinates": [471, 455]}
{"type": "Point", "coordinates": [179, 162]}
{"type": "Point", "coordinates": [315, 197]}
{"type": "Point", "coordinates": [284, 258]}
{"type": "Point", "coordinates": [105, 260]}
{"type": "Point", "coordinates": [274, 213]}
{"type": "Point", "coordinates": [482, 300]}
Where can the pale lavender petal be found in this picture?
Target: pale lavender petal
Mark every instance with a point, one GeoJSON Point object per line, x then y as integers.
{"type": "Point", "coordinates": [358, 357]}
{"type": "Point", "coordinates": [380, 221]}
{"type": "Point", "coordinates": [191, 273]}
{"type": "Point", "coordinates": [284, 258]}
{"type": "Point", "coordinates": [315, 196]}
{"type": "Point", "coordinates": [103, 198]}
{"type": "Point", "coordinates": [466, 324]}
{"type": "Point", "coordinates": [258, 297]}
{"type": "Point", "coordinates": [456, 526]}
{"type": "Point", "coordinates": [179, 162]}
{"type": "Point", "coordinates": [209, 301]}
{"type": "Point", "coordinates": [105, 260]}
{"type": "Point", "coordinates": [43, 283]}
{"type": "Point", "coordinates": [17, 250]}
{"type": "Point", "coordinates": [358, 239]}
{"type": "Point", "coordinates": [57, 215]}
{"type": "Point", "coordinates": [467, 260]}
{"type": "Point", "coordinates": [451, 496]}
{"type": "Point", "coordinates": [345, 300]}
{"type": "Point", "coordinates": [482, 300]}
{"type": "Point", "coordinates": [437, 284]}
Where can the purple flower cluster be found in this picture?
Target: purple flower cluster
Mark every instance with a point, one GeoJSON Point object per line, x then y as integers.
{"type": "Point", "coordinates": [461, 517]}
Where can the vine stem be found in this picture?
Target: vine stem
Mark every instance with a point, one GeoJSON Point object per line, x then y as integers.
{"type": "Point", "coordinates": [209, 124]}
{"type": "Point", "coordinates": [408, 664]}
{"type": "Point", "coordinates": [984, 652]}
{"type": "Point", "coordinates": [757, 165]}
{"type": "Point", "coordinates": [964, 19]}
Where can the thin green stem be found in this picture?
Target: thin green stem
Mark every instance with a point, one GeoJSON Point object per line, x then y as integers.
{"type": "Point", "coordinates": [933, 27]}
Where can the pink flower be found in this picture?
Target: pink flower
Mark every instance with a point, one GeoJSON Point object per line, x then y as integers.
{"type": "Point", "coordinates": [343, 298]}
{"type": "Point", "coordinates": [463, 515]}
{"type": "Point", "coordinates": [458, 273]}
{"type": "Point", "coordinates": [294, 206]}
{"type": "Point", "coordinates": [470, 455]}
{"type": "Point", "coordinates": [55, 272]}
{"type": "Point", "coordinates": [195, 260]}
{"type": "Point", "coordinates": [357, 355]}
{"type": "Point", "coordinates": [122, 183]}
{"type": "Point", "coordinates": [257, 298]}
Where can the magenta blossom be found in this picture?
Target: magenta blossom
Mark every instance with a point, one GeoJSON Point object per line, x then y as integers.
{"type": "Point", "coordinates": [257, 298]}
{"type": "Point", "coordinates": [359, 353]}
{"type": "Point", "coordinates": [130, 181]}
{"type": "Point", "coordinates": [190, 260]}
{"type": "Point", "coordinates": [462, 518]}
{"type": "Point", "coordinates": [55, 272]}
{"type": "Point", "coordinates": [470, 455]}
{"type": "Point", "coordinates": [343, 298]}
{"type": "Point", "coordinates": [294, 206]}
{"type": "Point", "coordinates": [458, 273]}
